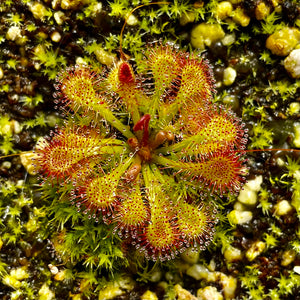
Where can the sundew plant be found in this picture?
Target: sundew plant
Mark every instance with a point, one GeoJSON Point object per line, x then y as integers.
{"type": "Point", "coordinates": [148, 152]}
{"type": "Point", "coordinates": [136, 185]}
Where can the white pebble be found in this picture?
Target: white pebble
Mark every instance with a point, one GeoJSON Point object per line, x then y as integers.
{"type": "Point", "coordinates": [198, 272]}
{"type": "Point", "coordinates": [232, 254]}
{"type": "Point", "coordinates": [255, 183]}
{"type": "Point", "coordinates": [248, 195]}
{"type": "Point", "coordinates": [45, 293]}
{"type": "Point", "coordinates": [209, 293]}
{"type": "Point", "coordinates": [296, 140]}
{"type": "Point", "coordinates": [296, 269]}
{"type": "Point", "coordinates": [239, 217]}
{"type": "Point", "coordinates": [229, 285]}
{"type": "Point", "coordinates": [239, 206]}
{"type": "Point", "coordinates": [183, 294]}
{"type": "Point", "coordinates": [27, 162]}
{"type": "Point", "coordinates": [38, 10]}
{"type": "Point", "coordinates": [282, 208]}
{"type": "Point", "coordinates": [280, 162]}
{"type": "Point", "coordinates": [55, 36]}
{"type": "Point", "coordinates": [59, 17]}
{"type": "Point", "coordinates": [132, 20]}
{"type": "Point", "coordinates": [294, 108]}
{"type": "Point", "coordinates": [53, 269]}
{"type": "Point", "coordinates": [228, 39]}
{"type": "Point", "coordinates": [6, 165]}
{"type": "Point", "coordinates": [1, 73]}
{"type": "Point", "coordinates": [16, 126]}
{"type": "Point", "coordinates": [292, 63]}
{"type": "Point", "coordinates": [13, 33]}
{"type": "Point", "coordinates": [148, 295]}
{"type": "Point", "coordinates": [255, 250]}
{"type": "Point", "coordinates": [229, 76]}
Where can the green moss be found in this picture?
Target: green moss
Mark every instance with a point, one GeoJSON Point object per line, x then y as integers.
{"type": "Point", "coordinates": [262, 137]}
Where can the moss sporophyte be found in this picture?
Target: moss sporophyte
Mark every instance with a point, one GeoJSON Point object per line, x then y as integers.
{"type": "Point", "coordinates": [147, 152]}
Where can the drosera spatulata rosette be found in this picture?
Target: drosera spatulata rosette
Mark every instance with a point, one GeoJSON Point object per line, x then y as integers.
{"type": "Point", "coordinates": [148, 152]}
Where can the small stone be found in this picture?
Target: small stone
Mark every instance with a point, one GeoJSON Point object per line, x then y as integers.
{"type": "Point", "coordinates": [240, 17]}
{"type": "Point", "coordinates": [294, 108]}
{"type": "Point", "coordinates": [283, 41]}
{"type": "Point", "coordinates": [205, 34]}
{"type": "Point", "coordinates": [296, 269]}
{"type": "Point", "coordinates": [282, 208]}
{"type": "Point", "coordinates": [255, 250]}
{"type": "Point", "coordinates": [198, 272]}
{"type": "Point", "coordinates": [60, 276]}
{"type": "Point", "coordinates": [104, 57]}
{"type": "Point", "coordinates": [262, 10]}
{"type": "Point", "coordinates": [53, 269]}
{"type": "Point", "coordinates": [6, 165]}
{"type": "Point", "coordinates": [212, 265]}
{"type": "Point", "coordinates": [288, 257]}
{"type": "Point", "coordinates": [233, 254]}
{"type": "Point", "coordinates": [183, 294]}
{"type": "Point", "coordinates": [59, 17]}
{"type": "Point", "coordinates": [55, 4]}
{"type": "Point", "coordinates": [239, 217]}
{"type": "Point", "coordinates": [80, 61]}
{"type": "Point", "coordinates": [38, 10]}
{"type": "Point", "coordinates": [239, 206]}
{"type": "Point", "coordinates": [209, 293]}
{"type": "Point", "coordinates": [223, 10]}
{"type": "Point", "coordinates": [132, 20]}
{"type": "Point", "coordinates": [228, 39]}
{"type": "Point", "coordinates": [70, 4]}
{"type": "Point", "coordinates": [55, 36]}
{"type": "Point", "coordinates": [39, 49]}
{"type": "Point", "coordinates": [13, 33]}
{"type": "Point", "coordinates": [45, 293]}
{"type": "Point", "coordinates": [96, 8]}
{"type": "Point", "coordinates": [110, 291]}
{"type": "Point", "coordinates": [16, 126]}
{"type": "Point", "coordinates": [27, 162]}
{"type": "Point", "coordinates": [296, 175]}
{"type": "Point", "coordinates": [148, 295]}
{"type": "Point", "coordinates": [255, 184]}
{"type": "Point", "coordinates": [229, 285]}
{"type": "Point", "coordinates": [296, 140]}
{"type": "Point", "coordinates": [247, 196]}
{"type": "Point", "coordinates": [280, 162]}
{"type": "Point", "coordinates": [292, 64]}
{"type": "Point", "coordinates": [229, 76]}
